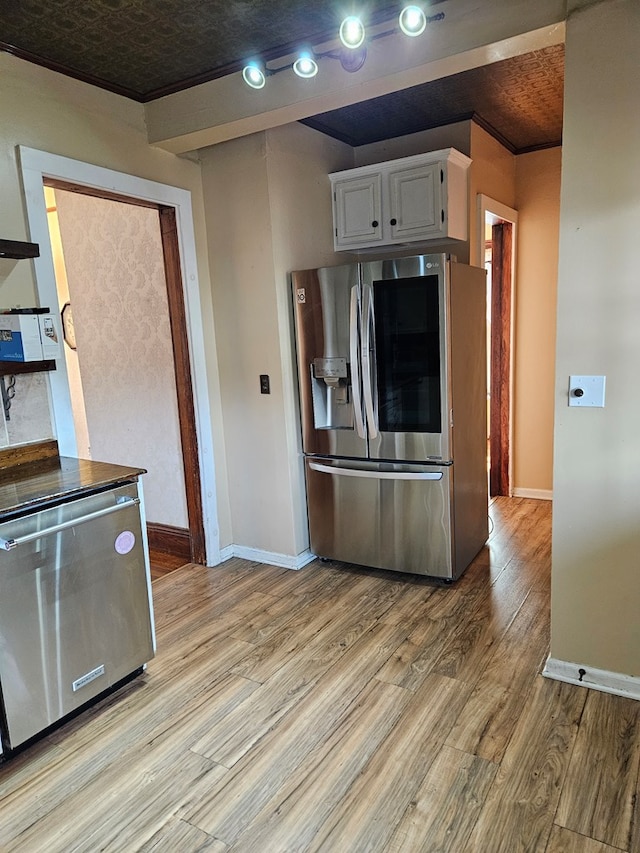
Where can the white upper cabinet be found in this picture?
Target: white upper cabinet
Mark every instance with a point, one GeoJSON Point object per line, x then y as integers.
{"type": "Point", "coordinates": [414, 199]}
{"type": "Point", "coordinates": [357, 210]}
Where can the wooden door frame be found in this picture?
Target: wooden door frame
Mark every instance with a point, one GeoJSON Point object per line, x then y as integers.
{"type": "Point", "coordinates": [500, 408]}
{"type": "Point", "coordinates": [184, 388]}
{"type": "Point", "coordinates": [502, 347]}
{"type": "Point", "coordinates": [182, 283]}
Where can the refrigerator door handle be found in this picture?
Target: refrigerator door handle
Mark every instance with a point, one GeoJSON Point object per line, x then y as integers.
{"type": "Point", "coordinates": [354, 328]}
{"type": "Point", "coordinates": [367, 347]}
{"type": "Point", "coordinates": [376, 475]}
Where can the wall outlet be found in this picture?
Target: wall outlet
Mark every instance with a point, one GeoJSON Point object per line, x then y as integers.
{"type": "Point", "coordinates": [587, 391]}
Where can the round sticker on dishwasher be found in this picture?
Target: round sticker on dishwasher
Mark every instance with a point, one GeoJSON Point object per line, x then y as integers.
{"type": "Point", "coordinates": [125, 542]}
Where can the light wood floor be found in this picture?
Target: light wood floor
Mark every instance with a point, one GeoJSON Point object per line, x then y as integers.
{"type": "Point", "coordinates": [342, 710]}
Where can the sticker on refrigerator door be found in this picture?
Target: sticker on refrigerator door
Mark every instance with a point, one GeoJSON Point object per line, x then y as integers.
{"type": "Point", "coordinates": [301, 295]}
{"type": "Point", "coordinates": [125, 542]}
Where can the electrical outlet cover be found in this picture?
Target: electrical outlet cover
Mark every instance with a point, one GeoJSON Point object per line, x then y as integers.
{"type": "Point", "coordinates": [592, 388]}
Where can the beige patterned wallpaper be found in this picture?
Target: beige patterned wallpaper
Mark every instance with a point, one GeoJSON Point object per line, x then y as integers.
{"type": "Point", "coordinates": [115, 273]}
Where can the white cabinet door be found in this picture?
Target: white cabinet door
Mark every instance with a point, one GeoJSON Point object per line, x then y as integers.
{"type": "Point", "coordinates": [415, 201]}
{"type": "Point", "coordinates": [357, 211]}
{"type": "Point", "coordinates": [411, 200]}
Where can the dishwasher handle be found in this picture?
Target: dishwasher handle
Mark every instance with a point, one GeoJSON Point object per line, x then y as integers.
{"type": "Point", "coordinates": [123, 503]}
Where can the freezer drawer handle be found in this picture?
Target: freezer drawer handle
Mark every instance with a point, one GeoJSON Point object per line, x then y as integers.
{"type": "Point", "coordinates": [377, 475]}
{"type": "Point", "coordinates": [8, 544]}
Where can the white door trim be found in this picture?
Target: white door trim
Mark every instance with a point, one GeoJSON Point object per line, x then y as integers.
{"type": "Point", "coordinates": [35, 166]}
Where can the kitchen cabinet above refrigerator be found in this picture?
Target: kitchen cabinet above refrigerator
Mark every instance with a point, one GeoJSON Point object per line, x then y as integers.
{"type": "Point", "coordinates": [419, 199]}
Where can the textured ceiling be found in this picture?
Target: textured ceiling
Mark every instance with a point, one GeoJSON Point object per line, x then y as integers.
{"type": "Point", "coordinates": [144, 49]}
{"type": "Point", "coordinates": [518, 100]}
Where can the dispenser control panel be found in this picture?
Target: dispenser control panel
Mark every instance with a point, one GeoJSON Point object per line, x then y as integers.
{"type": "Point", "coordinates": [330, 368]}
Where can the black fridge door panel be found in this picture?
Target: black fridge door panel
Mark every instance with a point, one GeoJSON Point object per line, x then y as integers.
{"type": "Point", "coordinates": [409, 348]}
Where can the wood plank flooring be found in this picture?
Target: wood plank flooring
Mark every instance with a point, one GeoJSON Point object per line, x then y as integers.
{"type": "Point", "coordinates": [342, 709]}
{"type": "Point", "coordinates": [161, 563]}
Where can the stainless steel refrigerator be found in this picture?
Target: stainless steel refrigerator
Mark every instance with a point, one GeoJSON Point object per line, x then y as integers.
{"type": "Point", "coordinates": [393, 395]}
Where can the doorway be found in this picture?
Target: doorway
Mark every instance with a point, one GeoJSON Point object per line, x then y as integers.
{"type": "Point", "coordinates": [497, 226]}
{"type": "Point", "coordinates": [130, 389]}
{"type": "Point", "coordinates": [173, 207]}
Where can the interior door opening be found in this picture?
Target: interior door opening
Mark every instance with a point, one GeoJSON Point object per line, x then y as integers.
{"type": "Point", "coordinates": [99, 380]}
{"type": "Point", "coordinates": [497, 241]}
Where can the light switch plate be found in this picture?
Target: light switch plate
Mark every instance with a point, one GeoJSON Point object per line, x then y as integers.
{"type": "Point", "coordinates": [592, 388]}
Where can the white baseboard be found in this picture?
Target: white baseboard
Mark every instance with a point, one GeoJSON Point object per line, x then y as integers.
{"type": "Point", "coordinates": [536, 494]}
{"type": "Point", "coordinates": [226, 553]}
{"type": "Point", "coordinates": [271, 558]}
{"type": "Point", "coordinates": [589, 676]}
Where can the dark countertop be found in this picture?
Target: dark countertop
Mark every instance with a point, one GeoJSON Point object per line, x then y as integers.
{"type": "Point", "coordinates": [38, 484]}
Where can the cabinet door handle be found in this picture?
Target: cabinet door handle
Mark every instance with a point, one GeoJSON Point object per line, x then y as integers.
{"type": "Point", "coordinates": [374, 224]}
{"type": "Point", "coordinates": [393, 221]}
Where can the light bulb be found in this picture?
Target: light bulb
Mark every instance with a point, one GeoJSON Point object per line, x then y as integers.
{"type": "Point", "coordinates": [352, 32]}
{"type": "Point", "coordinates": [253, 75]}
{"type": "Point", "coordinates": [305, 65]}
{"type": "Point", "coordinates": [412, 21]}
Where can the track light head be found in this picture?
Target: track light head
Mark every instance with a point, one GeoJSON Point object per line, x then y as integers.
{"type": "Point", "coordinates": [305, 65]}
{"type": "Point", "coordinates": [352, 53]}
{"type": "Point", "coordinates": [352, 32]}
{"type": "Point", "coordinates": [254, 74]}
{"type": "Point", "coordinates": [412, 21]}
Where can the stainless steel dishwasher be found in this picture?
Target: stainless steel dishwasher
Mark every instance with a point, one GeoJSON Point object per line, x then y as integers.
{"type": "Point", "coordinates": [75, 607]}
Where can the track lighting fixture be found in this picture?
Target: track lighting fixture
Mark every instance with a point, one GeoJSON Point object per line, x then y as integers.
{"type": "Point", "coordinates": [353, 59]}
{"type": "Point", "coordinates": [412, 21]}
{"type": "Point", "coordinates": [254, 74]}
{"type": "Point", "coordinates": [352, 32]}
{"type": "Point", "coordinates": [352, 52]}
{"type": "Point", "coordinates": [305, 65]}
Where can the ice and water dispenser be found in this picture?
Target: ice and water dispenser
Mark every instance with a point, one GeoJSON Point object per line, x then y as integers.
{"type": "Point", "coordinates": [326, 310]}
{"type": "Point", "coordinates": [331, 393]}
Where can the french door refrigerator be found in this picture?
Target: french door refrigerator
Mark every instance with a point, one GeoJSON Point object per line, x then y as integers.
{"type": "Point", "coordinates": [393, 395]}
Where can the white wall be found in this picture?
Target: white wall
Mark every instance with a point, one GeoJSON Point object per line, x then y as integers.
{"type": "Point", "coordinates": [493, 173]}
{"type": "Point", "coordinates": [268, 212]}
{"type": "Point", "coordinates": [278, 182]}
{"type": "Point", "coordinates": [538, 205]}
{"type": "Point", "coordinates": [44, 110]}
{"type": "Point", "coordinates": [299, 161]}
{"type": "Point", "coordinates": [457, 135]}
{"type": "Point", "coordinates": [596, 519]}
{"type": "Point", "coordinates": [244, 306]}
